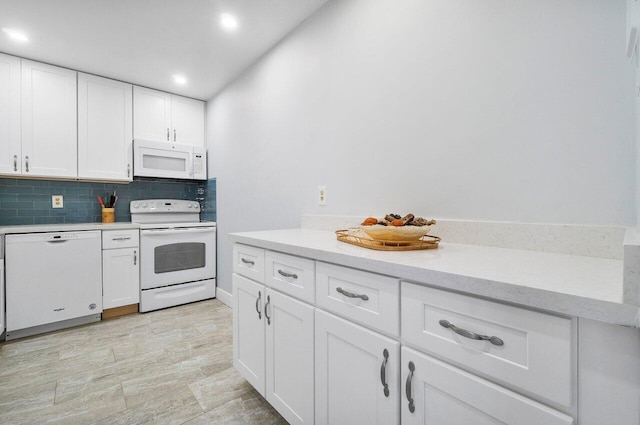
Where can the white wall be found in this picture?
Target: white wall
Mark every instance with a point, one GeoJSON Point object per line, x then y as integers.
{"type": "Point", "coordinates": [633, 21]}
{"type": "Point", "coordinates": [492, 110]}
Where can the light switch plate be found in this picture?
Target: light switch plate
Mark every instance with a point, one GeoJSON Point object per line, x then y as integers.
{"type": "Point", "coordinates": [57, 201]}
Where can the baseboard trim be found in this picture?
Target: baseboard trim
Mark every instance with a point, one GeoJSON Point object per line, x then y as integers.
{"type": "Point", "coordinates": [224, 297]}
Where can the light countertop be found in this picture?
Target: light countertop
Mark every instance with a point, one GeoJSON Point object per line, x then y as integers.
{"type": "Point", "coordinates": [567, 284]}
{"type": "Point", "coordinates": [73, 227]}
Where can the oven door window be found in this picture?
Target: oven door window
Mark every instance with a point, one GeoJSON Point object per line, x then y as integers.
{"type": "Point", "coordinates": [179, 256]}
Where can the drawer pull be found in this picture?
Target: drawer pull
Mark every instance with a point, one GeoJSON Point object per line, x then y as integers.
{"type": "Point", "coordinates": [265, 310]}
{"type": "Point", "coordinates": [123, 238]}
{"type": "Point", "coordinates": [244, 260]}
{"type": "Point", "coordinates": [257, 307]}
{"type": "Point", "coordinates": [285, 274]}
{"type": "Point", "coordinates": [412, 407]}
{"type": "Point", "coordinates": [383, 373]}
{"type": "Point", "coordinates": [352, 295]}
{"type": "Point", "coordinates": [471, 335]}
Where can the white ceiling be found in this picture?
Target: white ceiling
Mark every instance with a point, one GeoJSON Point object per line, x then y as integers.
{"type": "Point", "coordinates": [145, 42]}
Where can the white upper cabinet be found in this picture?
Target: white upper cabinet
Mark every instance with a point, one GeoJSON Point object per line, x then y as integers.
{"type": "Point", "coordinates": [187, 117]}
{"type": "Point", "coordinates": [163, 117]}
{"type": "Point", "coordinates": [105, 129]}
{"type": "Point", "coordinates": [10, 147]}
{"type": "Point", "coordinates": [49, 121]}
{"type": "Point", "coordinates": [151, 114]}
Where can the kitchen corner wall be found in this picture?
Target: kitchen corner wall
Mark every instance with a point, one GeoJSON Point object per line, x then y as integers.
{"type": "Point", "coordinates": [633, 23]}
{"type": "Point", "coordinates": [24, 201]}
{"type": "Point", "coordinates": [518, 111]}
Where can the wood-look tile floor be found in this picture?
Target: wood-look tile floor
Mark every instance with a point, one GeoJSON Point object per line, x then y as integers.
{"type": "Point", "coordinates": [170, 366]}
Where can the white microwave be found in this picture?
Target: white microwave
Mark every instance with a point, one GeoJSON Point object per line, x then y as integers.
{"type": "Point", "coordinates": [169, 160]}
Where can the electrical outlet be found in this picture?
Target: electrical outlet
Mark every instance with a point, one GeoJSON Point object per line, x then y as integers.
{"type": "Point", "coordinates": [57, 201]}
{"type": "Point", "coordinates": [322, 195]}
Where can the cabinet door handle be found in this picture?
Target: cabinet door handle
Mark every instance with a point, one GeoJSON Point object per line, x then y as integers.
{"type": "Point", "coordinates": [168, 134]}
{"type": "Point", "coordinates": [128, 170]}
{"type": "Point", "coordinates": [469, 334]}
{"type": "Point", "coordinates": [244, 260]}
{"type": "Point", "coordinates": [174, 134]}
{"type": "Point", "coordinates": [412, 407]}
{"type": "Point", "coordinates": [383, 373]}
{"type": "Point", "coordinates": [285, 274]}
{"type": "Point", "coordinates": [363, 297]}
{"type": "Point", "coordinates": [135, 258]}
{"type": "Point", "coordinates": [257, 305]}
{"type": "Point", "coordinates": [265, 310]}
{"type": "Point", "coordinates": [26, 163]}
{"type": "Point", "coordinates": [15, 162]}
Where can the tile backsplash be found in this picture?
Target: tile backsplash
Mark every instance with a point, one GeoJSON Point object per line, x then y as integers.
{"type": "Point", "coordinates": [24, 201]}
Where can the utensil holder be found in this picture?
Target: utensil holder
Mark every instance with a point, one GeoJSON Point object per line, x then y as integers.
{"type": "Point", "coordinates": [108, 215]}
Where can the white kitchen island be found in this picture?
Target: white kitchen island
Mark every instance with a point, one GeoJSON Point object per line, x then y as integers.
{"type": "Point", "coordinates": [565, 312]}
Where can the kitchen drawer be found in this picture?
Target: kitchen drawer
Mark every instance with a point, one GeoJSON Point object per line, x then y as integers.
{"type": "Point", "coordinates": [367, 298]}
{"type": "Point", "coordinates": [537, 351]}
{"type": "Point", "coordinates": [248, 261]}
{"type": "Point", "coordinates": [441, 394]}
{"type": "Point", "coordinates": [292, 275]}
{"type": "Point", "coordinates": [113, 239]}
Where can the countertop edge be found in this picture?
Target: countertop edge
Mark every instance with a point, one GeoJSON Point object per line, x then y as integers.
{"type": "Point", "coordinates": [553, 301]}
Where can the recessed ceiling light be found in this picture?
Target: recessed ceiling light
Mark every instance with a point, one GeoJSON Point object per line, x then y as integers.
{"type": "Point", "coordinates": [180, 79]}
{"type": "Point", "coordinates": [228, 21]}
{"type": "Point", "coordinates": [15, 35]}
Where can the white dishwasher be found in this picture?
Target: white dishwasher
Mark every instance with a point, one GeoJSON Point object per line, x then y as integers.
{"type": "Point", "coordinates": [53, 281]}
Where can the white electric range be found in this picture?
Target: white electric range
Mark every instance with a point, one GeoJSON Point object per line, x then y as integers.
{"type": "Point", "coordinates": [177, 253]}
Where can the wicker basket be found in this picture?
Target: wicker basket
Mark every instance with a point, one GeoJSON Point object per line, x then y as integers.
{"type": "Point", "coordinates": [359, 238]}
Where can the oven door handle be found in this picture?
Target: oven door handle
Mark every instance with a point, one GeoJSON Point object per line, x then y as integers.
{"type": "Point", "coordinates": [178, 231]}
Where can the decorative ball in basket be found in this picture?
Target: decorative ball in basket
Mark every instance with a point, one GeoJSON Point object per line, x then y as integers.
{"type": "Point", "coordinates": [395, 228]}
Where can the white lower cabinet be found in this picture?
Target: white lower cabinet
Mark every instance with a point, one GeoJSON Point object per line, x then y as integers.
{"type": "Point", "coordinates": [273, 347]}
{"type": "Point", "coordinates": [356, 374]}
{"type": "Point", "coordinates": [377, 351]}
{"type": "Point", "coordinates": [436, 393]}
{"type": "Point", "coordinates": [120, 268]}
{"type": "Point", "coordinates": [289, 357]}
{"type": "Point", "coordinates": [248, 331]}
{"type": "Point", "coordinates": [121, 284]}
{"type": "Point", "coordinates": [521, 348]}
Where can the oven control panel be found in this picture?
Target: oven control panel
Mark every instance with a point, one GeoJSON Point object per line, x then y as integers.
{"type": "Point", "coordinates": [164, 205]}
